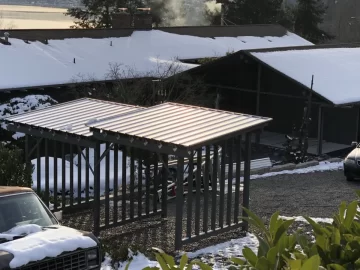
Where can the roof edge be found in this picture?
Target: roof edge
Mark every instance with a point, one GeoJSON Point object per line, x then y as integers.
{"type": "Point", "coordinates": [248, 53]}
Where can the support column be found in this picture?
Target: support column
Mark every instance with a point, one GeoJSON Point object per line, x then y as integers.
{"type": "Point", "coordinates": [179, 203]}
{"type": "Point", "coordinates": [357, 124]}
{"type": "Point", "coordinates": [27, 158]}
{"type": "Point", "coordinates": [258, 89]}
{"type": "Point", "coordinates": [164, 183]}
{"type": "Point", "coordinates": [217, 100]}
{"type": "Point", "coordinates": [246, 191]}
{"type": "Point", "coordinates": [97, 189]}
{"type": "Point", "coordinates": [320, 130]}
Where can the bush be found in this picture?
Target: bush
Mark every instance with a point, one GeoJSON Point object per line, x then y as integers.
{"type": "Point", "coordinates": [336, 245]}
{"type": "Point", "coordinates": [13, 171]}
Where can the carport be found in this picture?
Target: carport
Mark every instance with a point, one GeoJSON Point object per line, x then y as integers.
{"type": "Point", "coordinates": [122, 168]}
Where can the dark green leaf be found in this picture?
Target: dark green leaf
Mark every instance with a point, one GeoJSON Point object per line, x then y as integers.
{"type": "Point", "coordinates": [258, 221]}
{"type": "Point", "coordinates": [262, 264]}
{"type": "Point", "coordinates": [273, 224]}
{"type": "Point", "coordinates": [350, 214]}
{"type": "Point", "coordinates": [311, 264]}
{"type": "Point", "coordinates": [250, 256]}
{"type": "Point", "coordinates": [237, 261]}
{"type": "Point", "coordinates": [183, 261]}
{"type": "Point", "coordinates": [162, 262]}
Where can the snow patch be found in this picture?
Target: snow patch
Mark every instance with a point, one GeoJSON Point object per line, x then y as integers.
{"type": "Point", "coordinates": [48, 243]}
{"type": "Point", "coordinates": [82, 169]}
{"type": "Point", "coordinates": [322, 167]}
{"type": "Point", "coordinates": [138, 261]}
{"type": "Point", "coordinates": [25, 229]}
{"type": "Point", "coordinates": [302, 219]}
{"type": "Point", "coordinates": [232, 248]}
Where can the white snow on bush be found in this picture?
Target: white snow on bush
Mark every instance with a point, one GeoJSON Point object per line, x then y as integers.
{"type": "Point", "coordinates": [48, 243]}
{"type": "Point", "coordinates": [302, 219]}
{"type": "Point", "coordinates": [334, 70]}
{"type": "Point", "coordinates": [25, 104]}
{"type": "Point", "coordinates": [21, 105]}
{"type": "Point", "coordinates": [143, 52]}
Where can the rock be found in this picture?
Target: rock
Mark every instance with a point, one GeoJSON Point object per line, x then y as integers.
{"type": "Point", "coordinates": [307, 164]}
{"type": "Point", "coordinates": [285, 167]}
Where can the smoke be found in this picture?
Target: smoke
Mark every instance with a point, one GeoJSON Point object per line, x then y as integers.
{"type": "Point", "coordinates": [187, 12]}
{"type": "Point", "coordinates": [213, 8]}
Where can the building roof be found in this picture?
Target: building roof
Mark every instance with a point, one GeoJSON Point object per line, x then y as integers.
{"type": "Point", "coordinates": [70, 117]}
{"type": "Point", "coordinates": [58, 57]}
{"type": "Point", "coordinates": [178, 126]}
{"type": "Point", "coordinates": [335, 69]}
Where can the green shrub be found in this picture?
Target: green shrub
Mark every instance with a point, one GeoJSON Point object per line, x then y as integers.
{"type": "Point", "coordinates": [13, 170]}
{"type": "Point", "coordinates": [336, 245]}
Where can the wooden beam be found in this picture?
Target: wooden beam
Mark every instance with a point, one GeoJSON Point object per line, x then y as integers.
{"type": "Point", "coordinates": [266, 93]}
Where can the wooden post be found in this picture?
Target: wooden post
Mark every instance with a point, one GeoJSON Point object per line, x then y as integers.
{"type": "Point", "coordinates": [320, 130]}
{"type": "Point", "coordinates": [357, 124]}
{"type": "Point", "coordinates": [258, 98]}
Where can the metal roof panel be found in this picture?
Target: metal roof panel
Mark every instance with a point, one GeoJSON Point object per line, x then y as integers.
{"type": "Point", "coordinates": [178, 124]}
{"type": "Point", "coordinates": [72, 117]}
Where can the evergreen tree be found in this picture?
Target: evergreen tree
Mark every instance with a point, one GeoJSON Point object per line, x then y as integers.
{"type": "Point", "coordinates": [309, 15]}
{"type": "Point", "coordinates": [97, 13]}
{"type": "Point", "coordinates": [254, 11]}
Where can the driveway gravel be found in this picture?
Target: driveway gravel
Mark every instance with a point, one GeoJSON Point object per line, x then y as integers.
{"type": "Point", "coordinates": [316, 194]}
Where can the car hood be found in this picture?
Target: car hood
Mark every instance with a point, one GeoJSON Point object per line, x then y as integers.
{"type": "Point", "coordinates": [355, 154]}
{"type": "Point", "coordinates": [50, 242]}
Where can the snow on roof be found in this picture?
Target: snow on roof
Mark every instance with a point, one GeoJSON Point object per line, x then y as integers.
{"type": "Point", "coordinates": [144, 53]}
{"type": "Point", "coordinates": [334, 69]}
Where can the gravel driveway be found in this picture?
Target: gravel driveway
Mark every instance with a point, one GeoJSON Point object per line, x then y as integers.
{"type": "Point", "coordinates": [314, 194]}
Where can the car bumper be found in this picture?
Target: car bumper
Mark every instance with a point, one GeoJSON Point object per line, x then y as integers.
{"type": "Point", "coordinates": [351, 169]}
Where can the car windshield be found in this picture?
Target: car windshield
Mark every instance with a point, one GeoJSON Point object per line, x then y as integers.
{"type": "Point", "coordinates": [23, 209]}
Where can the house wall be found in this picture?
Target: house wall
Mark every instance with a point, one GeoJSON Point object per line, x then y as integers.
{"type": "Point", "coordinates": [339, 123]}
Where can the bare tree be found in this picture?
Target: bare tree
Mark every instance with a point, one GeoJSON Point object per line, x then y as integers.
{"type": "Point", "coordinates": [167, 82]}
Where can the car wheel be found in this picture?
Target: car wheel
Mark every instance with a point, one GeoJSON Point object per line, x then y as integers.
{"type": "Point", "coordinates": [349, 178]}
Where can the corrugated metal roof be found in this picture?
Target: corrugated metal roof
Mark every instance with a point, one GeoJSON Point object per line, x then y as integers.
{"type": "Point", "coordinates": [179, 124]}
{"type": "Point", "coordinates": [72, 117]}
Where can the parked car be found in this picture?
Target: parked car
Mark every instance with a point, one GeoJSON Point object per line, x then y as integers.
{"type": "Point", "coordinates": [352, 163]}
{"type": "Point", "coordinates": [31, 236]}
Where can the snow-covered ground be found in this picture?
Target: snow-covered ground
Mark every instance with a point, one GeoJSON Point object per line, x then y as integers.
{"type": "Point", "coordinates": [302, 219]}
{"type": "Point", "coordinates": [322, 167]}
{"type": "Point", "coordinates": [217, 255]}
{"type": "Point", "coordinates": [144, 53]}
